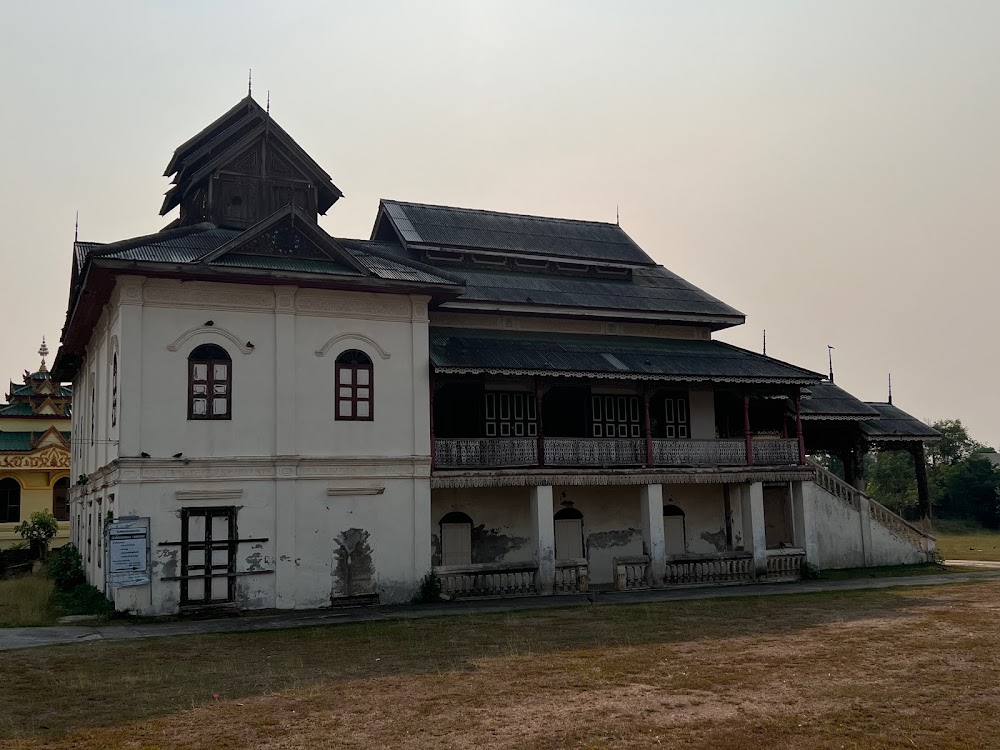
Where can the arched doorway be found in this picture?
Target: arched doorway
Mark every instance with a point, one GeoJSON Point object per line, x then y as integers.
{"type": "Point", "coordinates": [674, 530]}
{"type": "Point", "coordinates": [569, 534]}
{"type": "Point", "coordinates": [456, 539]}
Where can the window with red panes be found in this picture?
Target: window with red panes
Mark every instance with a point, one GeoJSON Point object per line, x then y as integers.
{"type": "Point", "coordinates": [354, 386]}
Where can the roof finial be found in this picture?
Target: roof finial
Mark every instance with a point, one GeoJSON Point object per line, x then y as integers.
{"type": "Point", "coordinates": [249, 81]}
{"type": "Point", "coordinates": [765, 342]}
{"type": "Point", "coordinates": [618, 218]}
{"type": "Point", "coordinates": [76, 228]}
{"type": "Point", "coordinates": [890, 388]}
{"type": "Point", "coordinates": [829, 352]}
{"type": "Point", "coordinates": [43, 352]}
{"type": "Point", "coordinates": [267, 110]}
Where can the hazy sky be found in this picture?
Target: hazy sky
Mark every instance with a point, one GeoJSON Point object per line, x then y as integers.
{"type": "Point", "coordinates": [832, 169]}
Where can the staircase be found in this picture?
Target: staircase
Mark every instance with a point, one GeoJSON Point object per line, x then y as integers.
{"type": "Point", "coordinates": [878, 515]}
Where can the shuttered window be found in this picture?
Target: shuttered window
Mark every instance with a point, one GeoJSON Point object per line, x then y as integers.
{"type": "Point", "coordinates": [210, 383]}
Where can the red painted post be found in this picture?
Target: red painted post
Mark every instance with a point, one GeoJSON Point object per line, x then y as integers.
{"type": "Point", "coordinates": [647, 427]}
{"type": "Point", "coordinates": [539, 395]}
{"type": "Point", "coordinates": [746, 428]}
{"type": "Point", "coordinates": [798, 428]}
{"type": "Point", "coordinates": [433, 451]}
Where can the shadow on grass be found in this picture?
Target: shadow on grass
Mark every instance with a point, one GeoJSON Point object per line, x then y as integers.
{"type": "Point", "coordinates": [65, 688]}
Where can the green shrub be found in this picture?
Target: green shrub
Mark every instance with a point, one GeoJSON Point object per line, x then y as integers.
{"type": "Point", "coordinates": [38, 531]}
{"type": "Point", "coordinates": [429, 591]}
{"type": "Point", "coordinates": [65, 568]}
{"type": "Point", "coordinates": [810, 572]}
{"type": "Point", "coordinates": [83, 599]}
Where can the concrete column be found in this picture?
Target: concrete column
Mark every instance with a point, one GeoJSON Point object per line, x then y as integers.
{"type": "Point", "coordinates": [129, 370]}
{"type": "Point", "coordinates": [754, 541]}
{"type": "Point", "coordinates": [866, 528]}
{"type": "Point", "coordinates": [285, 386]}
{"type": "Point", "coordinates": [805, 522]}
{"type": "Point", "coordinates": [420, 387]}
{"type": "Point", "coordinates": [651, 511]}
{"type": "Point", "coordinates": [544, 531]}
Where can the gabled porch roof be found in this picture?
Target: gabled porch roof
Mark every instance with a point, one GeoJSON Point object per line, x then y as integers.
{"type": "Point", "coordinates": [895, 425]}
{"type": "Point", "coordinates": [472, 351]}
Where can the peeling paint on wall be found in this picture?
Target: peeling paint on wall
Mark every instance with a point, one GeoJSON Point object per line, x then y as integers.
{"type": "Point", "coordinates": [353, 570]}
{"type": "Point", "coordinates": [435, 550]}
{"type": "Point", "coordinates": [255, 562]}
{"type": "Point", "coordinates": [606, 539]}
{"type": "Point", "coordinates": [170, 559]}
{"type": "Point", "coordinates": [717, 539]}
{"type": "Point", "coordinates": [490, 546]}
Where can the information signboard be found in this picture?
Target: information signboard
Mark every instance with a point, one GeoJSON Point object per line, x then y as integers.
{"type": "Point", "coordinates": [128, 554]}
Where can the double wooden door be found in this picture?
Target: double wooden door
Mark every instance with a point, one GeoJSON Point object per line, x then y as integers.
{"type": "Point", "coordinates": [208, 555]}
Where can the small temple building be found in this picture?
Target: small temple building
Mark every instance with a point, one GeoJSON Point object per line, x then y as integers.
{"type": "Point", "coordinates": [35, 452]}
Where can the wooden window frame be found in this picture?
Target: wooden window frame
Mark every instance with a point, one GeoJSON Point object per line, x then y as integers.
{"type": "Point", "coordinates": [65, 502]}
{"type": "Point", "coordinates": [114, 390]}
{"type": "Point", "coordinates": [210, 383]}
{"type": "Point", "coordinates": [353, 399]}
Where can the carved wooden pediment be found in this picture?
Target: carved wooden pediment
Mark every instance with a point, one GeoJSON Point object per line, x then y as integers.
{"type": "Point", "coordinates": [47, 457]}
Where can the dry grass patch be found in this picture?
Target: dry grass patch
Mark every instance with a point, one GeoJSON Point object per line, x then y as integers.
{"type": "Point", "coordinates": [26, 601]}
{"type": "Point", "coordinates": [957, 540]}
{"type": "Point", "coordinates": [888, 669]}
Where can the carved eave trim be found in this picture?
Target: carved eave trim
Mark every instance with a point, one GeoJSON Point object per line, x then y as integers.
{"type": "Point", "coordinates": [348, 491]}
{"type": "Point", "coordinates": [324, 350]}
{"type": "Point", "coordinates": [49, 457]}
{"type": "Point", "coordinates": [469, 480]}
{"type": "Point", "coordinates": [450, 370]}
{"type": "Point", "coordinates": [209, 495]}
{"type": "Point", "coordinates": [208, 329]}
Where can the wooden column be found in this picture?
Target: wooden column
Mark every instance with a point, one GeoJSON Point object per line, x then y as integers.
{"type": "Point", "coordinates": [539, 396]}
{"type": "Point", "coordinates": [923, 493]}
{"type": "Point", "coordinates": [646, 396]}
{"type": "Point", "coordinates": [433, 450]}
{"type": "Point", "coordinates": [746, 428]}
{"type": "Point", "coordinates": [798, 427]}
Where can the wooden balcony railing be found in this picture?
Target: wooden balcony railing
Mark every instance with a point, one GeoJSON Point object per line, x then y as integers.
{"type": "Point", "coordinates": [495, 453]}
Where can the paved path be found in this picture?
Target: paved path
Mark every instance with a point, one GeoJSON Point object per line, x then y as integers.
{"type": "Point", "coordinates": [15, 638]}
{"type": "Point", "coordinates": [985, 564]}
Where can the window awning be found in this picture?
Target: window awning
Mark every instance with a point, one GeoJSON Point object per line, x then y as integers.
{"type": "Point", "coordinates": [475, 351]}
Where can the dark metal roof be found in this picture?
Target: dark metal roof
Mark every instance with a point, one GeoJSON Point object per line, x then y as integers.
{"type": "Point", "coordinates": [894, 424]}
{"type": "Point", "coordinates": [651, 289]}
{"type": "Point", "coordinates": [459, 350]}
{"type": "Point", "coordinates": [828, 401]}
{"type": "Point", "coordinates": [190, 244]}
{"type": "Point", "coordinates": [420, 223]}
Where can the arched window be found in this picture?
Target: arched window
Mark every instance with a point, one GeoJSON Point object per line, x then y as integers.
{"type": "Point", "coordinates": [456, 539]}
{"type": "Point", "coordinates": [114, 390]}
{"type": "Point", "coordinates": [354, 386]}
{"type": "Point", "coordinates": [60, 499]}
{"type": "Point", "coordinates": [210, 383]}
{"type": "Point", "coordinates": [674, 534]}
{"type": "Point", "coordinates": [10, 501]}
{"type": "Point", "coordinates": [569, 534]}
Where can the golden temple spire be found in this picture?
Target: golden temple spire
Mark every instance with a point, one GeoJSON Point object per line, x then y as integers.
{"type": "Point", "coordinates": [43, 352]}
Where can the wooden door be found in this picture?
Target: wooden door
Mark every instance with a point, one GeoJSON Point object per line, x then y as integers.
{"type": "Point", "coordinates": [456, 544]}
{"type": "Point", "coordinates": [208, 555]}
{"type": "Point", "coordinates": [673, 533]}
{"type": "Point", "coordinates": [569, 538]}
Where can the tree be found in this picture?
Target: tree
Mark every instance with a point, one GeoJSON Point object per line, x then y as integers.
{"type": "Point", "coordinates": [892, 481]}
{"type": "Point", "coordinates": [39, 530]}
{"type": "Point", "coordinates": [967, 489]}
{"type": "Point", "coordinates": [955, 444]}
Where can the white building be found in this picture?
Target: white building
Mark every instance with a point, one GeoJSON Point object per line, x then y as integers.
{"type": "Point", "coordinates": [518, 403]}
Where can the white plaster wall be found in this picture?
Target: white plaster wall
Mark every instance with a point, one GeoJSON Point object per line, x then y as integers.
{"type": "Point", "coordinates": [612, 526]}
{"type": "Point", "coordinates": [704, 515]}
{"type": "Point", "coordinates": [838, 531]}
{"type": "Point", "coordinates": [702, 405]}
{"type": "Point", "coordinates": [889, 549]}
{"type": "Point", "coordinates": [503, 512]}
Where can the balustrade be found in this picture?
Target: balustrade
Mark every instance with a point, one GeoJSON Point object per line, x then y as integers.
{"type": "Point", "coordinates": [785, 565]}
{"type": "Point", "coordinates": [631, 572]}
{"type": "Point", "coordinates": [594, 452]}
{"type": "Point", "coordinates": [723, 568]}
{"type": "Point", "coordinates": [487, 579]}
{"type": "Point", "coordinates": [485, 452]}
{"type": "Point", "coordinates": [572, 576]}
{"type": "Point", "coordinates": [700, 452]}
{"type": "Point", "coordinates": [775, 452]}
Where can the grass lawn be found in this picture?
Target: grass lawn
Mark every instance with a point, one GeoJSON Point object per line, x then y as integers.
{"type": "Point", "coordinates": [958, 540]}
{"type": "Point", "coordinates": [891, 571]}
{"type": "Point", "coordinates": [900, 668]}
{"type": "Point", "coordinates": [26, 600]}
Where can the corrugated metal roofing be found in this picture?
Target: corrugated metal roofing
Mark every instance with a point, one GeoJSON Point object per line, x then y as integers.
{"type": "Point", "coordinates": [516, 233]}
{"type": "Point", "coordinates": [828, 401]}
{"type": "Point", "coordinates": [895, 424]}
{"type": "Point", "coordinates": [278, 263]}
{"type": "Point", "coordinates": [387, 268]}
{"type": "Point", "coordinates": [461, 350]}
{"type": "Point", "coordinates": [21, 441]}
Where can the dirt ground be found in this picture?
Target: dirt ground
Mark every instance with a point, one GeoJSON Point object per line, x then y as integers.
{"type": "Point", "coordinates": [898, 668]}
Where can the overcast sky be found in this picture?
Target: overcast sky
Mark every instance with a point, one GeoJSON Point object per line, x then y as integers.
{"type": "Point", "coordinates": [829, 168]}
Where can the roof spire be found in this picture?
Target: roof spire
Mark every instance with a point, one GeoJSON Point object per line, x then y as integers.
{"type": "Point", "coordinates": [829, 352]}
{"type": "Point", "coordinates": [267, 109]}
{"type": "Point", "coordinates": [890, 388]}
{"type": "Point", "coordinates": [618, 218]}
{"type": "Point", "coordinates": [76, 228]}
{"type": "Point", "coordinates": [43, 352]}
{"type": "Point", "coordinates": [765, 342]}
{"type": "Point", "coordinates": [250, 82]}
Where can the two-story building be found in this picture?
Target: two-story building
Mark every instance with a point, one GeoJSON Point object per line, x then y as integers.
{"type": "Point", "coordinates": [519, 404]}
